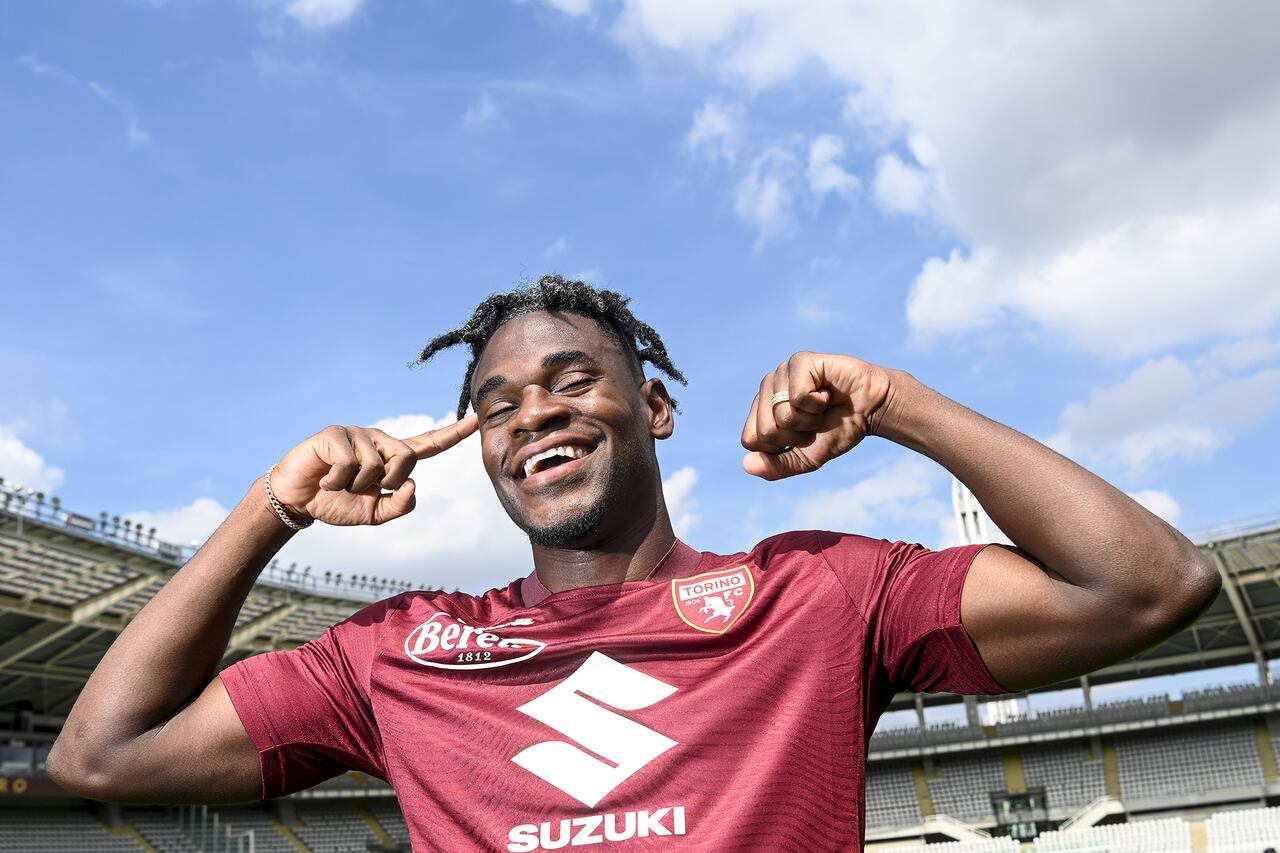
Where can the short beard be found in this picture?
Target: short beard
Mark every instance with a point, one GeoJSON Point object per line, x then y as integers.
{"type": "Point", "coordinates": [571, 531]}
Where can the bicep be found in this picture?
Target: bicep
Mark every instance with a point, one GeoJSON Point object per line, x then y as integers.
{"type": "Point", "coordinates": [202, 754]}
{"type": "Point", "coordinates": [1033, 628]}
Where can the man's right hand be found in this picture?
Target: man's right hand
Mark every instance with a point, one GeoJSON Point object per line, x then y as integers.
{"type": "Point", "coordinates": [339, 475]}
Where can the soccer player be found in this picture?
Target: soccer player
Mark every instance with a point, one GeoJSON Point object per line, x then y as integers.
{"type": "Point", "coordinates": [630, 690]}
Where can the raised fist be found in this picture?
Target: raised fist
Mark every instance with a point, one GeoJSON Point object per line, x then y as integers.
{"type": "Point", "coordinates": [811, 409]}
{"type": "Point", "coordinates": [339, 474]}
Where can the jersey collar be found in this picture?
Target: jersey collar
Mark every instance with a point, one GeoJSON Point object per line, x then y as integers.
{"type": "Point", "coordinates": [679, 560]}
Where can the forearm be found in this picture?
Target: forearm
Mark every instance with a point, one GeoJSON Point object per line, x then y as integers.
{"type": "Point", "coordinates": [168, 652]}
{"type": "Point", "coordinates": [1079, 527]}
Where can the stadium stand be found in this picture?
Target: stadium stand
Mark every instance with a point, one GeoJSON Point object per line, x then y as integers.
{"type": "Point", "coordinates": [334, 828]}
{"type": "Point", "coordinates": [1243, 831]}
{"type": "Point", "coordinates": [891, 796]}
{"type": "Point", "coordinates": [961, 786]}
{"type": "Point", "coordinates": [69, 583]}
{"type": "Point", "coordinates": [59, 831]}
{"type": "Point", "coordinates": [159, 829]}
{"type": "Point", "coordinates": [386, 811]}
{"type": "Point", "coordinates": [1183, 764]}
{"type": "Point", "coordinates": [1071, 774]}
{"type": "Point", "coordinates": [1171, 835]}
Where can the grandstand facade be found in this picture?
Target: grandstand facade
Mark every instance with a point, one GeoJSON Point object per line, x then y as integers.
{"type": "Point", "coordinates": [1161, 773]}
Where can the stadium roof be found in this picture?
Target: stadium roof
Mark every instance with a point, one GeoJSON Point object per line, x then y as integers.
{"type": "Point", "coordinates": [70, 583]}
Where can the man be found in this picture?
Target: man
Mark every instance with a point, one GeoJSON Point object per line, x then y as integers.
{"type": "Point", "coordinates": [630, 690]}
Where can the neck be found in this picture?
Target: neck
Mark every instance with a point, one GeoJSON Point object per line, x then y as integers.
{"type": "Point", "coordinates": [629, 555]}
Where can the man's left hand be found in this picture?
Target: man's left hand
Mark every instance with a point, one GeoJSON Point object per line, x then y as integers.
{"type": "Point", "coordinates": [825, 404]}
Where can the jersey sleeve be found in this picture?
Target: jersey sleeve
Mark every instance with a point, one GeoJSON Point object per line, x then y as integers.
{"type": "Point", "coordinates": [308, 710]}
{"type": "Point", "coordinates": [909, 597]}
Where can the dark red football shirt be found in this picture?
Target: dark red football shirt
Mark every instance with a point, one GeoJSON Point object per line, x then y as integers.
{"type": "Point", "coordinates": [722, 704]}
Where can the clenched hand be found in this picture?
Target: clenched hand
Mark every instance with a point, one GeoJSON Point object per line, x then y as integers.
{"type": "Point", "coordinates": [833, 402]}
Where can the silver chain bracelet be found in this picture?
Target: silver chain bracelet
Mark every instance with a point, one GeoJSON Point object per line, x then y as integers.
{"type": "Point", "coordinates": [275, 504]}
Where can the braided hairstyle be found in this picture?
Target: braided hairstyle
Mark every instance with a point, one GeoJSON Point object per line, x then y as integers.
{"type": "Point", "coordinates": [553, 293]}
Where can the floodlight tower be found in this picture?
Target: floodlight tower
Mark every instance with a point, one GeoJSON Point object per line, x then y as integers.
{"type": "Point", "coordinates": [973, 526]}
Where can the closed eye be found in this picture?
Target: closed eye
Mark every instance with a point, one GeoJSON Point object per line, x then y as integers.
{"type": "Point", "coordinates": [574, 385]}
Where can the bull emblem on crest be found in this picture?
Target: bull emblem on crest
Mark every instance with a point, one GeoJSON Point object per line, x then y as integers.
{"type": "Point", "coordinates": [717, 607]}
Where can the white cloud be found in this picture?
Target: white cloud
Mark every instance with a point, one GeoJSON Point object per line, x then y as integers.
{"type": "Point", "coordinates": [22, 466]}
{"type": "Point", "coordinates": [194, 522]}
{"type": "Point", "coordinates": [569, 7]}
{"type": "Point", "coordinates": [899, 187]}
{"type": "Point", "coordinates": [1166, 409]}
{"type": "Point", "coordinates": [825, 173]}
{"type": "Point", "coordinates": [904, 488]}
{"type": "Point", "coordinates": [1148, 284]}
{"type": "Point", "coordinates": [135, 133]}
{"type": "Point", "coordinates": [481, 113]}
{"type": "Point", "coordinates": [1113, 193]}
{"type": "Point", "coordinates": [32, 62]}
{"type": "Point", "coordinates": [716, 131]}
{"type": "Point", "coordinates": [557, 248]}
{"type": "Point", "coordinates": [1241, 354]}
{"type": "Point", "coordinates": [1159, 503]}
{"type": "Point", "coordinates": [682, 506]}
{"type": "Point", "coordinates": [763, 197]}
{"type": "Point", "coordinates": [315, 15]}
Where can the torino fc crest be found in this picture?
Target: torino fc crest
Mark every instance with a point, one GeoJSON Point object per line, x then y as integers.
{"type": "Point", "coordinates": [714, 601]}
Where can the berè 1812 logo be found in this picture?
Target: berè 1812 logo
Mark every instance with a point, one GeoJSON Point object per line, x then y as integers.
{"type": "Point", "coordinates": [447, 642]}
{"type": "Point", "coordinates": [714, 601]}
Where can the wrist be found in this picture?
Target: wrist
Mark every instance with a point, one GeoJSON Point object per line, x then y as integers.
{"type": "Point", "coordinates": [257, 511]}
{"type": "Point", "coordinates": [907, 410]}
{"type": "Point", "coordinates": [281, 513]}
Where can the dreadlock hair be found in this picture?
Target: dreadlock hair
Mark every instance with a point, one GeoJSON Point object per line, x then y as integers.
{"type": "Point", "coordinates": [553, 293]}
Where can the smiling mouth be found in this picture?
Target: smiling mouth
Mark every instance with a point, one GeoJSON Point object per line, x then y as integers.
{"type": "Point", "coordinates": [550, 459]}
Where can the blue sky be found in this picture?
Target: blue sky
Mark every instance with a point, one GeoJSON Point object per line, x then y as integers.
{"type": "Point", "coordinates": [227, 225]}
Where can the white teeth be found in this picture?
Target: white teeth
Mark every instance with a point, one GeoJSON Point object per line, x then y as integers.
{"type": "Point", "coordinates": [569, 452]}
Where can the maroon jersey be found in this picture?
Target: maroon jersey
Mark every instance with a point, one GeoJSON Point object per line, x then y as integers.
{"type": "Point", "coordinates": [722, 704]}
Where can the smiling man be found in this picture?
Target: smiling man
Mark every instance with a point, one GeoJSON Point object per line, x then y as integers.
{"type": "Point", "coordinates": [630, 690]}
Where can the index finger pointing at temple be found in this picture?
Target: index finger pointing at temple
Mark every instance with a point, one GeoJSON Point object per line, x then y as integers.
{"type": "Point", "coordinates": [435, 441]}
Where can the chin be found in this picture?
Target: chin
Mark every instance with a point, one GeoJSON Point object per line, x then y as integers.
{"type": "Point", "coordinates": [568, 530]}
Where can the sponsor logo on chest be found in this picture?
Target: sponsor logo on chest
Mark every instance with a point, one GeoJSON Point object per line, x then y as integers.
{"type": "Point", "coordinates": [714, 601]}
{"type": "Point", "coordinates": [596, 828]}
{"type": "Point", "coordinates": [447, 642]}
{"type": "Point", "coordinates": [601, 749]}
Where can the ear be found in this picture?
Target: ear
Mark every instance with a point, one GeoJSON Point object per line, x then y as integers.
{"type": "Point", "coordinates": [662, 421]}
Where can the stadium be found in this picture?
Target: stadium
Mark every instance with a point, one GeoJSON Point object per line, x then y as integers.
{"type": "Point", "coordinates": [1197, 771]}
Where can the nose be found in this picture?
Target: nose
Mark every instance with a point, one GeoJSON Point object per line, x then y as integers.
{"type": "Point", "coordinates": [539, 410]}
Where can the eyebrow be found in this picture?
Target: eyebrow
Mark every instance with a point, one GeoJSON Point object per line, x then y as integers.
{"type": "Point", "coordinates": [563, 358]}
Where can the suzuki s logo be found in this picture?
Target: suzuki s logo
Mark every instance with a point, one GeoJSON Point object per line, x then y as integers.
{"type": "Point", "coordinates": [574, 708]}
{"type": "Point", "coordinates": [446, 642]}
